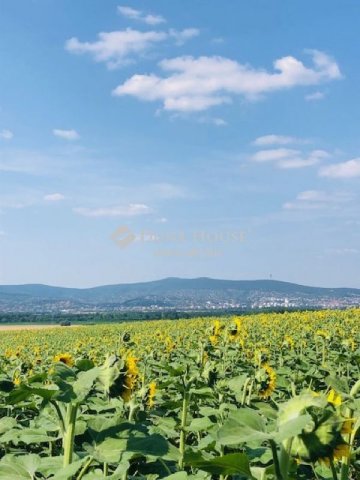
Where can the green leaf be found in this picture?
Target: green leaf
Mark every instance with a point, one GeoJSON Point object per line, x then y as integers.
{"type": "Point", "coordinates": [65, 392]}
{"type": "Point", "coordinates": [109, 451]}
{"type": "Point", "coordinates": [24, 392]}
{"type": "Point", "coordinates": [100, 428]}
{"type": "Point", "coordinates": [50, 465]}
{"type": "Point", "coordinates": [154, 445]}
{"type": "Point", "coordinates": [19, 468]}
{"type": "Point", "coordinates": [27, 436]}
{"type": "Point", "coordinates": [244, 425]}
{"type": "Point", "coordinates": [292, 428]}
{"type": "Point", "coordinates": [84, 364]}
{"type": "Point", "coordinates": [63, 372]}
{"type": "Point", "coordinates": [200, 424]}
{"type": "Point", "coordinates": [236, 384]}
{"type": "Point", "coordinates": [261, 473]}
{"type": "Point", "coordinates": [231, 464]}
{"type": "Point", "coordinates": [37, 378]}
{"type": "Point", "coordinates": [109, 372]}
{"type": "Point", "coordinates": [337, 384]}
{"type": "Point", "coordinates": [177, 476]}
{"type": "Point", "coordinates": [84, 383]}
{"type": "Point", "coordinates": [112, 450]}
{"type": "Point", "coordinates": [7, 423]}
{"type": "Point", "coordinates": [69, 471]}
{"type": "Point", "coordinates": [202, 392]}
{"type": "Point", "coordinates": [295, 406]}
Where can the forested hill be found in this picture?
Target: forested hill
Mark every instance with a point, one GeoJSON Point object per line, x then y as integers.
{"type": "Point", "coordinates": [174, 293]}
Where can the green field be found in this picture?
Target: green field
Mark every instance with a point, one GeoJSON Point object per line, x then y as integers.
{"type": "Point", "coordinates": [268, 396]}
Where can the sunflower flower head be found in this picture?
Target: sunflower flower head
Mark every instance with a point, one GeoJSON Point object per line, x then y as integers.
{"type": "Point", "coordinates": [65, 358]}
{"type": "Point", "coordinates": [334, 398]}
{"type": "Point", "coordinates": [151, 394]}
{"type": "Point", "coordinates": [321, 439]}
{"type": "Point", "coordinates": [266, 379]}
{"type": "Point", "coordinates": [130, 378]}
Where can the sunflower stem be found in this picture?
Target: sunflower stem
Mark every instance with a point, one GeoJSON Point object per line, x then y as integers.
{"type": "Point", "coordinates": [274, 452]}
{"type": "Point", "coordinates": [69, 433]}
{"type": "Point", "coordinates": [333, 469]}
{"type": "Point", "coordinates": [247, 381]}
{"type": "Point", "coordinates": [60, 415]}
{"type": "Point", "coordinates": [84, 468]}
{"type": "Point", "coordinates": [183, 428]}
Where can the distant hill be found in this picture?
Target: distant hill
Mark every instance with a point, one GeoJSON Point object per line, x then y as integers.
{"type": "Point", "coordinates": [174, 293]}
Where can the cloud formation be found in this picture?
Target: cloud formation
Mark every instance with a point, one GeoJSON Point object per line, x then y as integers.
{"type": "Point", "coordinates": [287, 158]}
{"type": "Point", "coordinates": [315, 96]}
{"type": "Point", "coordinates": [6, 134]}
{"type": "Point", "coordinates": [272, 139]}
{"type": "Point", "coordinates": [318, 199]}
{"type": "Point", "coordinates": [131, 210]}
{"type": "Point", "coordinates": [54, 197]}
{"type": "Point", "coordinates": [196, 84]}
{"type": "Point", "coordinates": [66, 134]}
{"type": "Point", "coordinates": [138, 15]}
{"type": "Point", "coordinates": [117, 48]}
{"type": "Point", "coordinates": [342, 251]}
{"type": "Point", "coordinates": [349, 169]}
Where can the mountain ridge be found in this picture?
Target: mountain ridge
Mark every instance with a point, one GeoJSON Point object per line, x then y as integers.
{"type": "Point", "coordinates": [175, 293]}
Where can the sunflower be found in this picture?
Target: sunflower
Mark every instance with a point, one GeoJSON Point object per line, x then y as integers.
{"type": "Point", "coordinates": [130, 378]}
{"type": "Point", "coordinates": [65, 358]}
{"type": "Point", "coordinates": [217, 328]}
{"type": "Point", "coordinates": [235, 330]}
{"type": "Point", "coordinates": [334, 398]}
{"type": "Point", "coordinates": [322, 438]}
{"type": "Point", "coordinates": [266, 377]}
{"type": "Point", "coordinates": [169, 344]}
{"type": "Point", "coordinates": [151, 394]}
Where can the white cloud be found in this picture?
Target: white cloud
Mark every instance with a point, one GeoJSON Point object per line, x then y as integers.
{"type": "Point", "coordinates": [131, 210]}
{"type": "Point", "coordinates": [318, 199]}
{"type": "Point", "coordinates": [315, 96]}
{"type": "Point", "coordinates": [218, 40]}
{"type": "Point", "coordinates": [6, 134]}
{"type": "Point", "coordinates": [54, 197]}
{"type": "Point", "coordinates": [342, 251]}
{"type": "Point", "coordinates": [313, 195]}
{"type": "Point", "coordinates": [272, 139]}
{"type": "Point", "coordinates": [314, 157]}
{"type": "Point", "coordinates": [217, 121]}
{"type": "Point", "coordinates": [117, 48]}
{"type": "Point", "coordinates": [196, 84]}
{"type": "Point", "coordinates": [2, 233]}
{"type": "Point", "coordinates": [287, 158]}
{"type": "Point", "coordinates": [301, 206]}
{"type": "Point", "coordinates": [349, 169]}
{"type": "Point", "coordinates": [133, 14]}
{"type": "Point", "coordinates": [114, 48]}
{"type": "Point", "coordinates": [66, 134]}
{"type": "Point", "coordinates": [181, 36]}
{"type": "Point", "coordinates": [274, 155]}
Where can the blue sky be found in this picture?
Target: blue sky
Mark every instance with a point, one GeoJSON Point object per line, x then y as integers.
{"type": "Point", "coordinates": [148, 139]}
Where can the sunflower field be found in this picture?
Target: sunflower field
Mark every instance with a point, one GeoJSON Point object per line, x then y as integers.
{"type": "Point", "coordinates": [261, 397]}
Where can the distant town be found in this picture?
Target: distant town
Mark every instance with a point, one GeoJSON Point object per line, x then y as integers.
{"type": "Point", "coordinates": [175, 295]}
